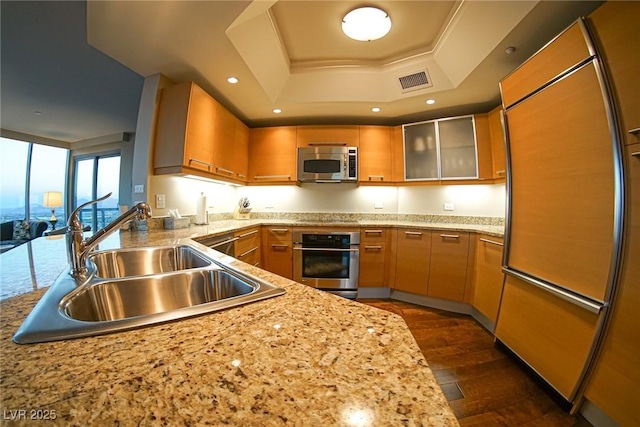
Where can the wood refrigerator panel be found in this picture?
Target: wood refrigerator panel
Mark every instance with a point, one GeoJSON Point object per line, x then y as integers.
{"type": "Point", "coordinates": [563, 185]}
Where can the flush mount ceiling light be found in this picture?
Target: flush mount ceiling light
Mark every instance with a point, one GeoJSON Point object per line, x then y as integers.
{"type": "Point", "coordinates": [366, 24]}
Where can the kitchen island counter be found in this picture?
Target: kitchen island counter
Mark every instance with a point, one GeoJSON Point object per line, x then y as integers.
{"type": "Point", "coordinates": [303, 358]}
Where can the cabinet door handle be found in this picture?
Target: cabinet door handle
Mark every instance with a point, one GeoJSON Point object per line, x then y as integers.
{"type": "Point", "coordinates": [241, 175]}
{"type": "Point", "coordinates": [501, 172]}
{"type": "Point", "coordinates": [311, 144]}
{"type": "Point", "coordinates": [226, 171]}
{"type": "Point", "coordinates": [493, 242]}
{"type": "Point", "coordinates": [636, 154]}
{"type": "Point", "coordinates": [373, 231]}
{"type": "Point", "coordinates": [287, 177]}
{"type": "Point", "coordinates": [279, 230]}
{"type": "Point", "coordinates": [373, 247]}
{"type": "Point", "coordinates": [413, 233]}
{"type": "Point", "coordinates": [449, 236]}
{"type": "Point", "coordinates": [208, 165]}
{"type": "Point", "coordinates": [380, 177]}
{"type": "Point", "coordinates": [247, 234]}
{"type": "Point", "coordinates": [279, 246]}
{"type": "Point", "coordinates": [248, 252]}
{"type": "Point", "coordinates": [635, 131]}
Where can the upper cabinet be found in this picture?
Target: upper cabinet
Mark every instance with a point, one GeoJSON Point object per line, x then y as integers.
{"type": "Point", "coordinates": [348, 136]}
{"type": "Point", "coordinates": [496, 132]}
{"type": "Point", "coordinates": [272, 155]}
{"type": "Point", "coordinates": [441, 149]}
{"type": "Point", "coordinates": [185, 130]}
{"type": "Point", "coordinates": [197, 135]}
{"type": "Point", "coordinates": [375, 154]}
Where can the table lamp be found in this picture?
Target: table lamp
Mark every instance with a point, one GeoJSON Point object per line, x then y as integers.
{"type": "Point", "coordinates": [53, 200]}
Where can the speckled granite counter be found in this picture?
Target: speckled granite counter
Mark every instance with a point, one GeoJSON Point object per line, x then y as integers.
{"type": "Point", "coordinates": [304, 358]}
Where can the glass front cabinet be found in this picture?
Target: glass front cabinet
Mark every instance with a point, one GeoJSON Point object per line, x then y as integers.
{"type": "Point", "coordinates": [440, 149]}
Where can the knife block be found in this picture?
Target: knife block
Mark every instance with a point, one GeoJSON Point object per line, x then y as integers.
{"type": "Point", "coordinates": [241, 213]}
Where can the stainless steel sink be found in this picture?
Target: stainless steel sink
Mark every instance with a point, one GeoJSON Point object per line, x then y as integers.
{"type": "Point", "coordinates": [148, 286]}
{"type": "Point", "coordinates": [142, 296]}
{"type": "Point", "coordinates": [148, 260]}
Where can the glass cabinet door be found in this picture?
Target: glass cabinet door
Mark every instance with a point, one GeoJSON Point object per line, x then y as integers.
{"type": "Point", "coordinates": [457, 148]}
{"type": "Point", "coordinates": [420, 151]}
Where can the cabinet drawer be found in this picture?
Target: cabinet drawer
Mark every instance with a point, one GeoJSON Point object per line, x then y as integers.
{"type": "Point", "coordinates": [448, 273]}
{"type": "Point", "coordinates": [247, 247]}
{"type": "Point", "coordinates": [373, 234]}
{"type": "Point", "coordinates": [279, 235]}
{"type": "Point", "coordinates": [488, 278]}
{"type": "Point", "coordinates": [551, 335]}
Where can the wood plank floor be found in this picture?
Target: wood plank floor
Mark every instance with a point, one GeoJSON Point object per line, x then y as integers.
{"type": "Point", "coordinates": [485, 386]}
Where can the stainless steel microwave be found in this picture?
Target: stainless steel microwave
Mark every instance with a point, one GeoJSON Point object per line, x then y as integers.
{"type": "Point", "coordinates": [328, 164]}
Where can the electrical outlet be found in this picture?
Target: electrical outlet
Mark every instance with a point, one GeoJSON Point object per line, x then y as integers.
{"type": "Point", "coordinates": [160, 201]}
{"type": "Point", "coordinates": [378, 205]}
{"type": "Point", "coordinates": [448, 206]}
{"type": "Point", "coordinates": [138, 189]}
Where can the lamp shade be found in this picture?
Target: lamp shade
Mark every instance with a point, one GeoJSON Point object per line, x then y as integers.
{"type": "Point", "coordinates": [52, 199]}
{"type": "Point", "coordinates": [366, 24]}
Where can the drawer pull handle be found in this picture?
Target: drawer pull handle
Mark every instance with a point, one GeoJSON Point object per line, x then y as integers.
{"type": "Point", "coordinates": [279, 246]}
{"type": "Point", "coordinates": [248, 252]}
{"type": "Point", "coordinates": [208, 165]}
{"type": "Point", "coordinates": [373, 231]}
{"type": "Point", "coordinates": [635, 131]}
{"type": "Point", "coordinates": [226, 171]}
{"type": "Point", "coordinates": [247, 234]}
{"type": "Point", "coordinates": [493, 242]}
{"type": "Point", "coordinates": [413, 233]}
{"type": "Point", "coordinates": [373, 247]}
{"type": "Point", "coordinates": [372, 177]}
{"type": "Point", "coordinates": [636, 154]}
{"type": "Point", "coordinates": [288, 177]}
{"type": "Point", "coordinates": [449, 236]}
{"type": "Point", "coordinates": [279, 230]}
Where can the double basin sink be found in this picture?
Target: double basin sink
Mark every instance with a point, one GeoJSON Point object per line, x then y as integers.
{"type": "Point", "coordinates": [130, 288]}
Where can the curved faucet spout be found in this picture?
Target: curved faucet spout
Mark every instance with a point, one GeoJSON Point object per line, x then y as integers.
{"type": "Point", "coordinates": [78, 248]}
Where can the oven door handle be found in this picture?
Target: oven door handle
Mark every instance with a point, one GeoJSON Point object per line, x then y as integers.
{"type": "Point", "coordinates": [325, 249]}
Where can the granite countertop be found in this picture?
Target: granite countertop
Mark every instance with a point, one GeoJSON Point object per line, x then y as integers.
{"type": "Point", "coordinates": [303, 358]}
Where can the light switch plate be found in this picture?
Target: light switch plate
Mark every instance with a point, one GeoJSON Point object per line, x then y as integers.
{"type": "Point", "coordinates": [448, 206]}
{"type": "Point", "coordinates": [160, 201]}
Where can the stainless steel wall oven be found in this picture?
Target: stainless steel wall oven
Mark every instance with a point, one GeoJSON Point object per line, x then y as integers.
{"type": "Point", "coordinates": [327, 260]}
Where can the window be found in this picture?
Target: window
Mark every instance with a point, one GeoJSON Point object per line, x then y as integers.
{"type": "Point", "coordinates": [28, 171]}
{"type": "Point", "coordinates": [96, 176]}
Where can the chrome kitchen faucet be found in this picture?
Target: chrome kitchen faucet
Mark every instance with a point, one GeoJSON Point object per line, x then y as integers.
{"type": "Point", "coordinates": [78, 249]}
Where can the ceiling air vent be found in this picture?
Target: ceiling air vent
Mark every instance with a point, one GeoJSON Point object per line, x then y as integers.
{"type": "Point", "coordinates": [415, 81]}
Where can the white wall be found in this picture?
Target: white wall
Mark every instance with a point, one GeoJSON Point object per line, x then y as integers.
{"type": "Point", "coordinates": [182, 194]}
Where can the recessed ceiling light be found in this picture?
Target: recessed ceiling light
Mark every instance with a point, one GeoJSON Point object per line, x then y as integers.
{"type": "Point", "coordinates": [277, 110]}
{"type": "Point", "coordinates": [37, 113]}
{"type": "Point", "coordinates": [376, 109]}
{"type": "Point", "coordinates": [510, 50]}
{"type": "Point", "coordinates": [232, 80]}
{"type": "Point", "coordinates": [430, 101]}
{"type": "Point", "coordinates": [366, 24]}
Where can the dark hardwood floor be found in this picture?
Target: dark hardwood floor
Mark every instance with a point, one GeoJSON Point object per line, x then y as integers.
{"type": "Point", "coordinates": [485, 386]}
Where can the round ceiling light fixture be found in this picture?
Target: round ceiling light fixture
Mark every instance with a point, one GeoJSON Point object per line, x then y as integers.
{"type": "Point", "coordinates": [366, 24]}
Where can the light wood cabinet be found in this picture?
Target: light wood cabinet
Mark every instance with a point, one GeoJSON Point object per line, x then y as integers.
{"type": "Point", "coordinates": [397, 154]}
{"type": "Point", "coordinates": [483, 140]}
{"type": "Point", "coordinates": [241, 152]}
{"type": "Point", "coordinates": [278, 250]}
{"type": "Point", "coordinates": [448, 271]}
{"type": "Point", "coordinates": [616, 32]}
{"type": "Point", "coordinates": [272, 155]}
{"type": "Point", "coordinates": [551, 334]}
{"type": "Point", "coordinates": [375, 155]}
{"type": "Point", "coordinates": [247, 247]}
{"type": "Point", "coordinates": [496, 132]}
{"type": "Point", "coordinates": [185, 131]}
{"type": "Point", "coordinates": [374, 254]}
{"type": "Point", "coordinates": [328, 135]}
{"type": "Point", "coordinates": [487, 276]}
{"type": "Point", "coordinates": [197, 135]}
{"type": "Point", "coordinates": [413, 259]}
{"type": "Point", "coordinates": [615, 384]}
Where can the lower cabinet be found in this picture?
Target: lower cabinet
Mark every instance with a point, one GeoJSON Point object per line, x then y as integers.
{"type": "Point", "coordinates": [247, 247]}
{"type": "Point", "coordinates": [278, 250]}
{"type": "Point", "coordinates": [488, 276]}
{"type": "Point", "coordinates": [374, 254]}
{"type": "Point", "coordinates": [550, 334]}
{"type": "Point", "coordinates": [448, 272]}
{"type": "Point", "coordinates": [413, 260]}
